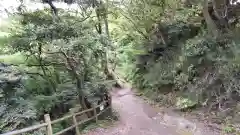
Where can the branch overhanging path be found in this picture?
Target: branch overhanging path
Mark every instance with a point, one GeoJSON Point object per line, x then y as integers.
{"type": "Point", "coordinates": [139, 118]}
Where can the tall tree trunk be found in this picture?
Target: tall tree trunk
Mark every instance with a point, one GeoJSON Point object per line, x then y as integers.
{"type": "Point", "coordinates": [43, 68]}
{"type": "Point", "coordinates": [107, 69]}
{"type": "Point", "coordinates": [212, 28]}
{"type": "Point", "coordinates": [79, 82]}
{"type": "Point", "coordinates": [220, 8]}
{"type": "Point", "coordinates": [106, 20]}
{"type": "Point", "coordinates": [102, 15]}
{"type": "Point", "coordinates": [108, 44]}
{"type": "Point", "coordinates": [54, 9]}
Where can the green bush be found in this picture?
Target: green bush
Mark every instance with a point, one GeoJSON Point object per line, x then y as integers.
{"type": "Point", "coordinates": [47, 85]}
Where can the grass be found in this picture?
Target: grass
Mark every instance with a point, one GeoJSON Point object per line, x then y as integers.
{"type": "Point", "coordinates": [230, 129]}
{"type": "Point", "coordinates": [16, 58]}
{"type": "Point", "coordinates": [5, 32]}
{"type": "Point", "coordinates": [103, 124]}
{"type": "Point", "coordinates": [3, 38]}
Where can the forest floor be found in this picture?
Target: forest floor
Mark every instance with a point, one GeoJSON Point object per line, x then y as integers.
{"type": "Point", "coordinates": [137, 117]}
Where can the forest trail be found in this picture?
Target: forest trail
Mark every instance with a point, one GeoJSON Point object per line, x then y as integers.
{"type": "Point", "coordinates": [139, 118]}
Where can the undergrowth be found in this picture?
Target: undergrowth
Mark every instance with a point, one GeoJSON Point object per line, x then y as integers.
{"type": "Point", "coordinates": [188, 70]}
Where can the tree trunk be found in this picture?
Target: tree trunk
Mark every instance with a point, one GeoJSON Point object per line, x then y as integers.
{"type": "Point", "coordinates": [212, 28]}
{"type": "Point", "coordinates": [220, 8]}
{"type": "Point", "coordinates": [101, 12]}
{"type": "Point", "coordinates": [43, 68]}
{"type": "Point", "coordinates": [108, 44]}
{"type": "Point", "coordinates": [79, 82]}
{"type": "Point", "coordinates": [54, 9]}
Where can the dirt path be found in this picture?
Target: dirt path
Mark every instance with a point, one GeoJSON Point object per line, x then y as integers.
{"type": "Point", "coordinates": [139, 118]}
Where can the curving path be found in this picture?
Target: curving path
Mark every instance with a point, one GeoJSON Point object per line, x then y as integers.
{"type": "Point", "coordinates": [139, 118]}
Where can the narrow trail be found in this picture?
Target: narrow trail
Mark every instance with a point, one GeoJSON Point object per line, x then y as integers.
{"type": "Point", "coordinates": [139, 118]}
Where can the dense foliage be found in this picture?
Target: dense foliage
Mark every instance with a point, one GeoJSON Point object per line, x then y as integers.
{"type": "Point", "coordinates": [182, 53]}
{"type": "Point", "coordinates": [50, 66]}
{"type": "Point", "coordinates": [181, 58]}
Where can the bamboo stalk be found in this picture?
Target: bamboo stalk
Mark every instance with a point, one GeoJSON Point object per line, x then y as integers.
{"type": "Point", "coordinates": [65, 130]}
{"type": "Point", "coordinates": [95, 113]}
{"type": "Point", "coordinates": [61, 119]}
{"type": "Point", "coordinates": [88, 110]}
{"type": "Point", "coordinates": [75, 121]}
{"type": "Point", "coordinates": [49, 125]}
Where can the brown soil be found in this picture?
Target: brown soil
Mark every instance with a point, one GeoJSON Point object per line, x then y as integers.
{"type": "Point", "coordinates": [139, 118]}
